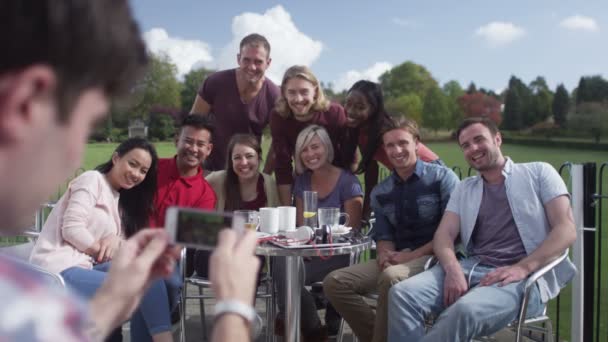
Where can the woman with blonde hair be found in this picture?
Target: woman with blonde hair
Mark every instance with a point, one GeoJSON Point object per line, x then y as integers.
{"type": "Point", "coordinates": [302, 103]}
{"type": "Point", "coordinates": [336, 188]}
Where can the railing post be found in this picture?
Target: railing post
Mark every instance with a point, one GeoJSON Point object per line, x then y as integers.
{"type": "Point", "coordinates": [583, 251]}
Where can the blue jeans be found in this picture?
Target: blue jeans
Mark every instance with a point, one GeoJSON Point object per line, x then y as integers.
{"type": "Point", "coordinates": [153, 315]}
{"type": "Point", "coordinates": [482, 311]}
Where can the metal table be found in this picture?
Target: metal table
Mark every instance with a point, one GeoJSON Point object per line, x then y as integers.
{"type": "Point", "coordinates": [294, 283]}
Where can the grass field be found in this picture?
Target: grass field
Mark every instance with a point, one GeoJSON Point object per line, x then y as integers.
{"type": "Point", "coordinates": [452, 156]}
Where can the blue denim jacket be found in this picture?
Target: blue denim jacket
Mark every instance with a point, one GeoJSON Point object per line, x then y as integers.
{"type": "Point", "coordinates": [408, 212]}
{"type": "Point", "coordinates": [529, 186]}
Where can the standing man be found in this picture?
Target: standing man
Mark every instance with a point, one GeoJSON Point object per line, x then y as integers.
{"type": "Point", "coordinates": [408, 206]}
{"type": "Point", "coordinates": [240, 99]}
{"type": "Point", "coordinates": [62, 62]}
{"type": "Point", "coordinates": [512, 219]}
{"type": "Point", "coordinates": [180, 178]}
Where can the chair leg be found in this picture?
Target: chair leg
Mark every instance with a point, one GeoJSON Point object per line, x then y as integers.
{"type": "Point", "coordinates": [182, 314]}
{"type": "Point", "coordinates": [203, 316]}
{"type": "Point", "coordinates": [340, 336]}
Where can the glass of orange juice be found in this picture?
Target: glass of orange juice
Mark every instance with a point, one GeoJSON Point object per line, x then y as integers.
{"type": "Point", "coordinates": [250, 217]}
{"type": "Point", "coordinates": [310, 209]}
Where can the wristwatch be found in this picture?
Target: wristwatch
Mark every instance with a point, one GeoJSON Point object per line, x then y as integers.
{"type": "Point", "coordinates": [239, 308]}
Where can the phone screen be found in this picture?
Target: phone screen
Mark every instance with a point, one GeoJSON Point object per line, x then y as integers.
{"type": "Point", "coordinates": [198, 228]}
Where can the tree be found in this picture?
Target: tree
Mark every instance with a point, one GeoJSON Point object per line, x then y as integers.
{"type": "Point", "coordinates": [479, 104]}
{"type": "Point", "coordinates": [158, 87]}
{"type": "Point", "coordinates": [525, 113]}
{"type": "Point", "coordinates": [542, 98]}
{"type": "Point", "coordinates": [407, 78]}
{"type": "Point", "coordinates": [453, 91]}
{"type": "Point", "coordinates": [409, 105]}
{"type": "Point", "coordinates": [561, 102]}
{"type": "Point", "coordinates": [471, 88]}
{"type": "Point", "coordinates": [161, 126]}
{"type": "Point", "coordinates": [513, 110]}
{"type": "Point", "coordinates": [435, 113]}
{"type": "Point", "coordinates": [192, 82]}
{"type": "Point", "coordinates": [590, 117]}
{"type": "Point", "coordinates": [592, 89]}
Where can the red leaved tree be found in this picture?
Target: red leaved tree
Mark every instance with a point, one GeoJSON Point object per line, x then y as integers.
{"type": "Point", "coordinates": [480, 104]}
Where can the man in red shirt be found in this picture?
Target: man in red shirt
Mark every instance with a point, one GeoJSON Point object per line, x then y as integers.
{"type": "Point", "coordinates": [180, 179]}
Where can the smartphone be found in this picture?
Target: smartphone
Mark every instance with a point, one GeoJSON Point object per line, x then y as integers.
{"type": "Point", "coordinates": [198, 228]}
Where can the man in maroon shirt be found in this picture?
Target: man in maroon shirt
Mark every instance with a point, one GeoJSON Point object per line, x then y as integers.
{"type": "Point", "coordinates": [240, 99]}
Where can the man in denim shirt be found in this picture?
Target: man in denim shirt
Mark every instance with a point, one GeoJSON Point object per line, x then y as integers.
{"type": "Point", "coordinates": [408, 206]}
{"type": "Point", "coordinates": [512, 219]}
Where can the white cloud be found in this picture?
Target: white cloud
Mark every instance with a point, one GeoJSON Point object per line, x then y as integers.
{"type": "Point", "coordinates": [347, 79]}
{"type": "Point", "coordinates": [579, 22]}
{"type": "Point", "coordinates": [289, 46]}
{"type": "Point", "coordinates": [185, 54]}
{"type": "Point", "coordinates": [499, 33]}
{"type": "Point", "coordinates": [403, 22]}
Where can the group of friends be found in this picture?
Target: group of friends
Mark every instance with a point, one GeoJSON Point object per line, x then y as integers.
{"type": "Point", "coordinates": [509, 220]}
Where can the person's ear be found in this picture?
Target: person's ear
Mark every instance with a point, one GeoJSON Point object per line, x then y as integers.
{"type": "Point", "coordinates": [26, 101]}
{"type": "Point", "coordinates": [268, 62]}
{"type": "Point", "coordinates": [115, 158]}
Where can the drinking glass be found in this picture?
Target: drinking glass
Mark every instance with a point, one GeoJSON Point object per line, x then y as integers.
{"type": "Point", "coordinates": [310, 209]}
{"type": "Point", "coordinates": [250, 217]}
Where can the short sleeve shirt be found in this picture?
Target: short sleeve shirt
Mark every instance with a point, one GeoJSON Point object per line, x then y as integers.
{"type": "Point", "coordinates": [347, 187]}
{"type": "Point", "coordinates": [231, 115]}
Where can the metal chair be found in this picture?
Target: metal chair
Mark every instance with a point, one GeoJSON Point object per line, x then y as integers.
{"type": "Point", "coordinates": [265, 291]}
{"type": "Point", "coordinates": [529, 324]}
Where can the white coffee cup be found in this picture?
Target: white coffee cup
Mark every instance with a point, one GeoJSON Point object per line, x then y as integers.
{"type": "Point", "coordinates": [287, 218]}
{"type": "Point", "coordinates": [269, 220]}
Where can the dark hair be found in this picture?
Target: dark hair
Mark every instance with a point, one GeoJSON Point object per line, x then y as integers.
{"type": "Point", "coordinates": [378, 118]}
{"type": "Point", "coordinates": [197, 121]}
{"type": "Point", "coordinates": [232, 188]}
{"type": "Point", "coordinates": [255, 39]}
{"type": "Point", "coordinates": [401, 122]}
{"type": "Point", "coordinates": [87, 44]}
{"type": "Point", "coordinates": [491, 125]}
{"type": "Point", "coordinates": [136, 204]}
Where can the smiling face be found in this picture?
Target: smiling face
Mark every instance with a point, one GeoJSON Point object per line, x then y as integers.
{"type": "Point", "coordinates": [129, 170]}
{"type": "Point", "coordinates": [253, 61]}
{"type": "Point", "coordinates": [481, 149]}
{"type": "Point", "coordinates": [245, 161]}
{"type": "Point", "coordinates": [357, 109]}
{"type": "Point", "coordinates": [193, 147]}
{"type": "Point", "coordinates": [300, 95]}
{"type": "Point", "coordinates": [314, 154]}
{"type": "Point", "coordinates": [400, 147]}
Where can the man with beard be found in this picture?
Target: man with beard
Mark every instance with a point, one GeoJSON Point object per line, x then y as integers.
{"type": "Point", "coordinates": [512, 219]}
{"type": "Point", "coordinates": [240, 99]}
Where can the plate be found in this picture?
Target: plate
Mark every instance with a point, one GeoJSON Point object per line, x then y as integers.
{"type": "Point", "coordinates": [261, 235]}
{"type": "Point", "coordinates": [340, 230]}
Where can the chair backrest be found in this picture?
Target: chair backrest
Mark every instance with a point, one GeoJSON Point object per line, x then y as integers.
{"type": "Point", "coordinates": [20, 254]}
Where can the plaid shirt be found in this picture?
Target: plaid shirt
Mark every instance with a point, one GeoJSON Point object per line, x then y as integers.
{"type": "Point", "coordinates": [32, 310]}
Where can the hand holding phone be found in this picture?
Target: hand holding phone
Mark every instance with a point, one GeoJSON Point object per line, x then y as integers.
{"type": "Point", "coordinates": [199, 228]}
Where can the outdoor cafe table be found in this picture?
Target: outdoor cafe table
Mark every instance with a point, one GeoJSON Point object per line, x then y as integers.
{"type": "Point", "coordinates": [292, 275]}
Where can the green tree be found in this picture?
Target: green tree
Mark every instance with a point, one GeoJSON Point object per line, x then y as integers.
{"type": "Point", "coordinates": [409, 105]}
{"type": "Point", "coordinates": [471, 88]}
{"type": "Point", "coordinates": [192, 82]}
{"type": "Point", "coordinates": [541, 101]}
{"type": "Point", "coordinates": [453, 91]}
{"type": "Point", "coordinates": [513, 111]}
{"type": "Point", "coordinates": [590, 117]}
{"type": "Point", "coordinates": [435, 113]}
{"type": "Point", "coordinates": [161, 126]}
{"type": "Point", "coordinates": [158, 87]}
{"type": "Point", "coordinates": [407, 78]}
{"type": "Point", "coordinates": [561, 103]}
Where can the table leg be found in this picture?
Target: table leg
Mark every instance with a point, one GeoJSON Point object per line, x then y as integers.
{"type": "Point", "coordinates": [292, 300]}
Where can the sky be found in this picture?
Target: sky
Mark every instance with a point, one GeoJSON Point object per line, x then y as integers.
{"type": "Point", "coordinates": [484, 42]}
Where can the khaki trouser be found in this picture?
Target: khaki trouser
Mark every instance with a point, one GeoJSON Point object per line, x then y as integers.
{"type": "Point", "coordinates": [344, 289]}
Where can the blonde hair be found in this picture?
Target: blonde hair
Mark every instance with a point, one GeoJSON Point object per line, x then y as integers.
{"type": "Point", "coordinates": [304, 139]}
{"type": "Point", "coordinates": [303, 72]}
